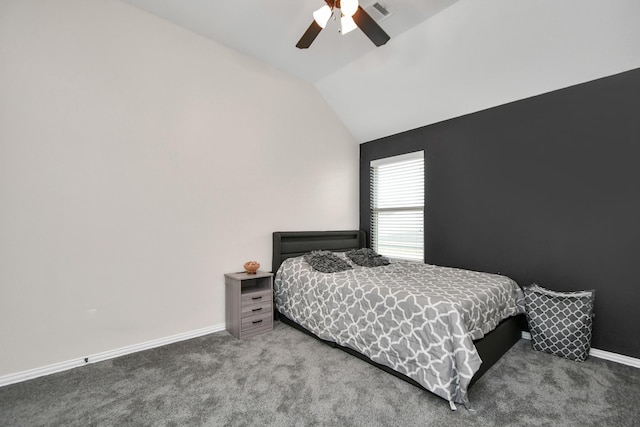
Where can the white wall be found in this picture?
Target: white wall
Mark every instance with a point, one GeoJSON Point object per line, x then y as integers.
{"type": "Point", "coordinates": [479, 54]}
{"type": "Point", "coordinates": [138, 163]}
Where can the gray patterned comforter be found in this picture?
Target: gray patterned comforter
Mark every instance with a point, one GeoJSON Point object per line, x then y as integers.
{"type": "Point", "coordinates": [417, 319]}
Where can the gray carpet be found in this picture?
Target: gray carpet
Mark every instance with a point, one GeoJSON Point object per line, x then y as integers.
{"type": "Point", "coordinates": [286, 378]}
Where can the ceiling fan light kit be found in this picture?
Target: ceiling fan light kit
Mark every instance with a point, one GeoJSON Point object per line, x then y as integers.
{"type": "Point", "coordinates": [322, 15]}
{"type": "Point", "coordinates": [348, 7]}
{"type": "Point", "coordinates": [347, 24]}
{"type": "Point", "coordinates": [352, 16]}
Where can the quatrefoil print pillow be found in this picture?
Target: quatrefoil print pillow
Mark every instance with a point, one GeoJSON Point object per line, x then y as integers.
{"type": "Point", "coordinates": [560, 322]}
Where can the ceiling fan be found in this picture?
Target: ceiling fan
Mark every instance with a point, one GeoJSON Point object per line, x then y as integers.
{"type": "Point", "coordinates": [352, 16]}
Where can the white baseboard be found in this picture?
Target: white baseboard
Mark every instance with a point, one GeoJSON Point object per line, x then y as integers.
{"type": "Point", "coordinates": [110, 354]}
{"type": "Point", "coordinates": [615, 357]}
{"type": "Point", "coordinates": [601, 354]}
{"type": "Point", "coordinates": [105, 355]}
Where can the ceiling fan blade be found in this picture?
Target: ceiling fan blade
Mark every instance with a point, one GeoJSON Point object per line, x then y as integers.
{"type": "Point", "coordinates": [309, 36]}
{"type": "Point", "coordinates": [370, 27]}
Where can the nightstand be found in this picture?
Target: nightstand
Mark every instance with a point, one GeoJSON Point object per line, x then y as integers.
{"type": "Point", "coordinates": [249, 303]}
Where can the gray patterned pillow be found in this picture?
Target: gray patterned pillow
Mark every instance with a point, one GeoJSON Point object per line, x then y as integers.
{"type": "Point", "coordinates": [366, 257]}
{"type": "Point", "coordinates": [326, 262]}
{"type": "Point", "coordinates": [560, 322]}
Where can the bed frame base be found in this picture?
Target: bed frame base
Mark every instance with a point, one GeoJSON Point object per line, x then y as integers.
{"type": "Point", "coordinates": [490, 348]}
{"type": "Point", "coordinates": [497, 342]}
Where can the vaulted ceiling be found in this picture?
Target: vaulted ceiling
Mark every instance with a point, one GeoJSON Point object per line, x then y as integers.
{"type": "Point", "coordinates": [445, 58]}
{"type": "Point", "coordinates": [269, 29]}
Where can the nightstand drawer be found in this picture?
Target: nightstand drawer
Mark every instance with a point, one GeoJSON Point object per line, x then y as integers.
{"type": "Point", "coordinates": [255, 309]}
{"type": "Point", "coordinates": [259, 321]}
{"type": "Point", "coordinates": [258, 297]}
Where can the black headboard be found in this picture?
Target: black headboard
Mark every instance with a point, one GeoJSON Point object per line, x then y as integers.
{"type": "Point", "coordinates": [287, 244]}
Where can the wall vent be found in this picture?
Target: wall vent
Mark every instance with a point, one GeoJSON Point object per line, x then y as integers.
{"type": "Point", "coordinates": [378, 11]}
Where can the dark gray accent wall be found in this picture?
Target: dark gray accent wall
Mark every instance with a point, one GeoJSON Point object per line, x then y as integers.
{"type": "Point", "coordinates": [545, 190]}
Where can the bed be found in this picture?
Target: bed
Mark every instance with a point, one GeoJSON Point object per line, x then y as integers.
{"type": "Point", "coordinates": [441, 337]}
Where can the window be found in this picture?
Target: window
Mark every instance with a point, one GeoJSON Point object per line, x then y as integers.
{"type": "Point", "coordinates": [397, 206]}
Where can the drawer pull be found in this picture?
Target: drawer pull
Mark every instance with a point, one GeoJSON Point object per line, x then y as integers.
{"type": "Point", "coordinates": [256, 298]}
{"type": "Point", "coordinates": [257, 321]}
{"type": "Point", "coordinates": [257, 309]}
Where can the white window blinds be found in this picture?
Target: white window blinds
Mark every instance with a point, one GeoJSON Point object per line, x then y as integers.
{"type": "Point", "coordinates": [397, 206]}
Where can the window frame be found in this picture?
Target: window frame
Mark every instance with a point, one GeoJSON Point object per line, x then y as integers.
{"type": "Point", "coordinates": [413, 247]}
